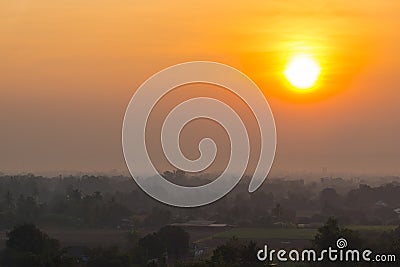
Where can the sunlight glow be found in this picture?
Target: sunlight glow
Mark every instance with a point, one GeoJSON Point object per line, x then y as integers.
{"type": "Point", "coordinates": [302, 71]}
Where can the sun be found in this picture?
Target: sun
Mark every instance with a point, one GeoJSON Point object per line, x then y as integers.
{"type": "Point", "coordinates": [302, 71]}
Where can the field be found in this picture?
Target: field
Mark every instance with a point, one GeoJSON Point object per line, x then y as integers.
{"type": "Point", "coordinates": [292, 233]}
{"type": "Point", "coordinates": [83, 237]}
{"type": "Point", "coordinates": [268, 233]}
{"type": "Point", "coordinates": [210, 237]}
{"type": "Point", "coordinates": [372, 228]}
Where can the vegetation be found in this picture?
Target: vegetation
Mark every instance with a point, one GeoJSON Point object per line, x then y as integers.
{"type": "Point", "coordinates": [27, 246]}
{"type": "Point", "coordinates": [95, 201]}
{"type": "Point", "coordinates": [281, 210]}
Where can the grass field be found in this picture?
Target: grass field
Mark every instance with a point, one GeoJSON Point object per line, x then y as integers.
{"type": "Point", "coordinates": [268, 233]}
{"type": "Point", "coordinates": [373, 228]}
{"type": "Point", "coordinates": [292, 233]}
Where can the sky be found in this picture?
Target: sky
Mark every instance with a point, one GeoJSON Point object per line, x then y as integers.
{"type": "Point", "coordinates": [69, 68]}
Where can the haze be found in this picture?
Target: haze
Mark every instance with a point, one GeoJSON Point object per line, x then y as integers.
{"type": "Point", "coordinates": [69, 68]}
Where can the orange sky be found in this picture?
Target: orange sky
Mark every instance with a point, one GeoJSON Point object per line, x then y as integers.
{"type": "Point", "coordinates": [69, 68]}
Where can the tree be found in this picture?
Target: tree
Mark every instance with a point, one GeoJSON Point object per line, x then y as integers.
{"type": "Point", "coordinates": [28, 238]}
{"type": "Point", "coordinates": [329, 195]}
{"type": "Point", "coordinates": [176, 176]}
{"type": "Point", "coordinates": [8, 217]}
{"type": "Point", "coordinates": [248, 256]}
{"type": "Point", "coordinates": [228, 253]}
{"type": "Point", "coordinates": [27, 246]}
{"type": "Point", "coordinates": [111, 257]}
{"type": "Point", "coordinates": [27, 209]}
{"type": "Point", "coordinates": [387, 243]}
{"type": "Point", "coordinates": [171, 239]}
{"type": "Point", "coordinates": [175, 239]}
{"type": "Point", "coordinates": [236, 253]}
{"type": "Point", "coordinates": [277, 211]}
{"type": "Point", "coordinates": [328, 235]}
{"type": "Point", "coordinates": [9, 200]}
{"type": "Point", "coordinates": [153, 246]}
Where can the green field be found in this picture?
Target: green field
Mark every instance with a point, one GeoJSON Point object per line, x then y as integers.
{"type": "Point", "coordinates": [268, 233]}
{"type": "Point", "coordinates": [373, 228]}
{"type": "Point", "coordinates": [292, 233]}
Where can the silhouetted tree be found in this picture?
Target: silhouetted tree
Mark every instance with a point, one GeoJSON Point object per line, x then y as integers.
{"type": "Point", "coordinates": [236, 253]}
{"type": "Point", "coordinates": [27, 246]}
{"type": "Point", "coordinates": [328, 235]}
{"type": "Point", "coordinates": [111, 257]}
{"type": "Point", "coordinates": [175, 239]}
{"type": "Point", "coordinates": [153, 246]}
